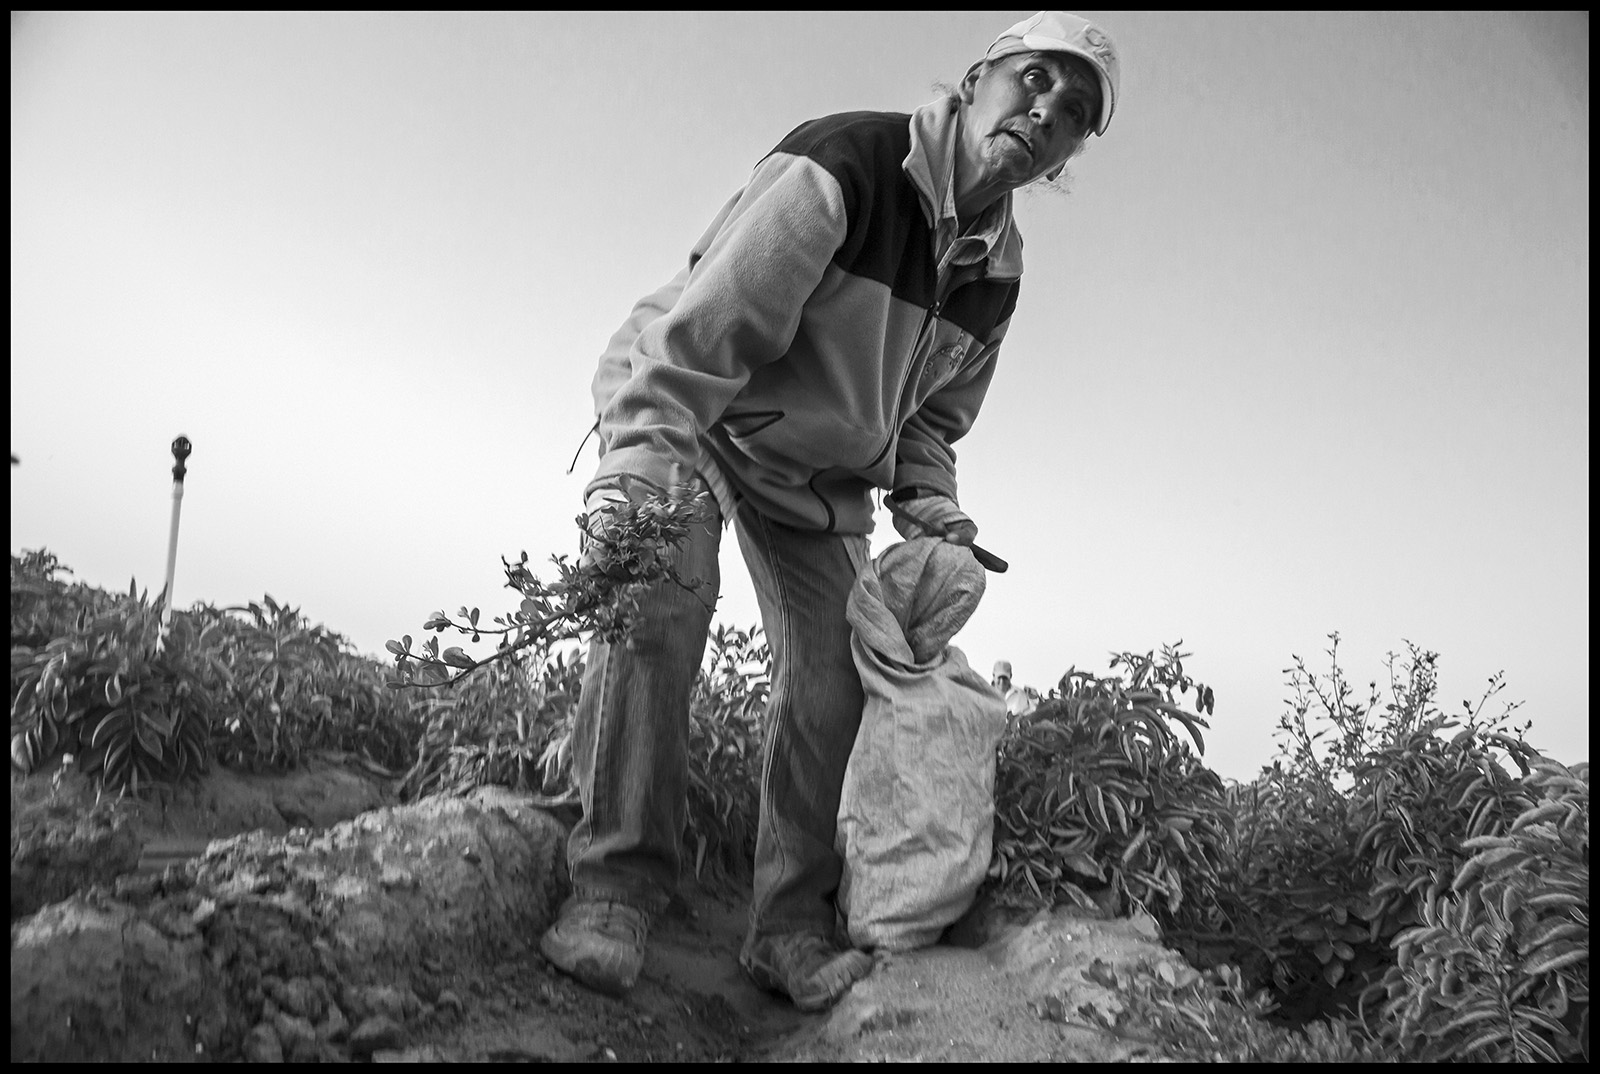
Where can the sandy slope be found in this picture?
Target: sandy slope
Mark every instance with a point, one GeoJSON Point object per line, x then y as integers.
{"type": "Point", "coordinates": [411, 933]}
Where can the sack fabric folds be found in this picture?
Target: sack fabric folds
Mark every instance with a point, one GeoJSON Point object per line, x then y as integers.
{"type": "Point", "coordinates": [916, 813]}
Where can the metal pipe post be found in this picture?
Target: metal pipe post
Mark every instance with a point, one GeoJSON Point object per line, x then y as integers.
{"type": "Point", "coordinates": [180, 451]}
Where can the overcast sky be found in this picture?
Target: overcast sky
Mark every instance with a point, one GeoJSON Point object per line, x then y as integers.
{"type": "Point", "coordinates": [1305, 348]}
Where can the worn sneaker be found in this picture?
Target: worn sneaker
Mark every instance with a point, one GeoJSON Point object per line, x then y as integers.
{"type": "Point", "coordinates": [598, 941]}
{"type": "Point", "coordinates": [810, 969]}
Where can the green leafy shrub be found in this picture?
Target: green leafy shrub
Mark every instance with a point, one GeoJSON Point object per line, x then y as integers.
{"type": "Point", "coordinates": [498, 728]}
{"type": "Point", "coordinates": [1362, 823]}
{"type": "Point", "coordinates": [1295, 911]}
{"type": "Point", "coordinates": [287, 686]}
{"type": "Point", "coordinates": [1498, 969]}
{"type": "Point", "coordinates": [508, 718]}
{"type": "Point", "coordinates": [128, 706]}
{"type": "Point", "coordinates": [726, 714]}
{"type": "Point", "coordinates": [1097, 802]}
{"type": "Point", "coordinates": [502, 722]}
{"type": "Point", "coordinates": [44, 607]}
{"type": "Point", "coordinates": [1213, 1018]}
{"type": "Point", "coordinates": [255, 687]}
{"type": "Point", "coordinates": [584, 600]}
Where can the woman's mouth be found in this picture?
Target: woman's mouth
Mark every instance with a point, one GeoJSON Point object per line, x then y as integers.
{"type": "Point", "coordinates": [1022, 140]}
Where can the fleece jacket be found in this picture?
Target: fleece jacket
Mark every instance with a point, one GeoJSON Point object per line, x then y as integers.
{"type": "Point", "coordinates": [832, 332]}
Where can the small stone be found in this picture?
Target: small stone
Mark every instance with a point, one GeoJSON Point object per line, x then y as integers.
{"type": "Point", "coordinates": [132, 886]}
{"type": "Point", "coordinates": [426, 986]}
{"type": "Point", "coordinates": [352, 1002]}
{"type": "Point", "coordinates": [326, 959]}
{"type": "Point", "coordinates": [208, 1030]}
{"type": "Point", "coordinates": [262, 1046]}
{"type": "Point", "coordinates": [299, 997]}
{"type": "Point", "coordinates": [336, 1026]}
{"type": "Point", "coordinates": [422, 1054]}
{"type": "Point", "coordinates": [385, 1001]}
{"type": "Point", "coordinates": [298, 1038]}
{"type": "Point", "coordinates": [375, 1033]}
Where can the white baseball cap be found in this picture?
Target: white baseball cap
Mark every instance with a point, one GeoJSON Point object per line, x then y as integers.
{"type": "Point", "coordinates": [1002, 667]}
{"type": "Point", "coordinates": [1057, 31]}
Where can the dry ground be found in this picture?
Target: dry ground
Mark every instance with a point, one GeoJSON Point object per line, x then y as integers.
{"type": "Point", "coordinates": [347, 927]}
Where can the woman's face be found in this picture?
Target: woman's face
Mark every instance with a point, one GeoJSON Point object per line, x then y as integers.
{"type": "Point", "coordinates": [1026, 115]}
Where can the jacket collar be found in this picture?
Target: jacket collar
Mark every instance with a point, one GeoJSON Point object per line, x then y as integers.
{"type": "Point", "coordinates": [931, 168]}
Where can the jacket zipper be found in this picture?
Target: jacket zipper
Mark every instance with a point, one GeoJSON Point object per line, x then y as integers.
{"type": "Point", "coordinates": [928, 318]}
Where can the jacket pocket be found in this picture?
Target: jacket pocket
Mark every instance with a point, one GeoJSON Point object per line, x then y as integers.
{"type": "Point", "coordinates": [739, 426]}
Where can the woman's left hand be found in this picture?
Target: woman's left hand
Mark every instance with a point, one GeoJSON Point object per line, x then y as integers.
{"type": "Point", "coordinates": [933, 516]}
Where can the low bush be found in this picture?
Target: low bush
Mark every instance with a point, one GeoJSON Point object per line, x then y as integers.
{"type": "Point", "coordinates": [726, 716]}
{"type": "Point", "coordinates": [1498, 969]}
{"type": "Point", "coordinates": [1098, 803]}
{"type": "Point", "coordinates": [97, 677]}
{"type": "Point", "coordinates": [1363, 821]}
{"type": "Point", "coordinates": [508, 718]}
{"type": "Point", "coordinates": [128, 706]}
{"type": "Point", "coordinates": [286, 686]}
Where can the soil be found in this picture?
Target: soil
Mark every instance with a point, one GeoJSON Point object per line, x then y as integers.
{"type": "Point", "coordinates": [339, 925]}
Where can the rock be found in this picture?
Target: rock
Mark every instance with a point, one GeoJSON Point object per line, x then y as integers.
{"type": "Point", "coordinates": [298, 1038]}
{"type": "Point", "coordinates": [100, 983]}
{"type": "Point", "coordinates": [208, 1031]}
{"type": "Point", "coordinates": [336, 1026]}
{"type": "Point", "coordinates": [384, 1001]}
{"type": "Point", "coordinates": [136, 888]}
{"type": "Point", "coordinates": [283, 922]}
{"type": "Point", "coordinates": [262, 1045]}
{"type": "Point", "coordinates": [424, 1054]}
{"type": "Point", "coordinates": [448, 999]}
{"type": "Point", "coordinates": [298, 996]}
{"type": "Point", "coordinates": [375, 1033]}
{"type": "Point", "coordinates": [1144, 925]}
{"type": "Point", "coordinates": [54, 854]}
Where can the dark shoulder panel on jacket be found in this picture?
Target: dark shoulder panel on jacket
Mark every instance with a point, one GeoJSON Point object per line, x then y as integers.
{"type": "Point", "coordinates": [981, 305]}
{"type": "Point", "coordinates": [887, 237]}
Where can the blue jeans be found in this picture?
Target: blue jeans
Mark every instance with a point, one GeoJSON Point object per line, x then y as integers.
{"type": "Point", "coordinates": [630, 740]}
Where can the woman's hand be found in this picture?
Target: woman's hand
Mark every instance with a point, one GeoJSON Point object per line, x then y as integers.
{"type": "Point", "coordinates": [933, 516]}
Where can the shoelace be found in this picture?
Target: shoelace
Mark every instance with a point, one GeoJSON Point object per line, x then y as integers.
{"type": "Point", "coordinates": [618, 918]}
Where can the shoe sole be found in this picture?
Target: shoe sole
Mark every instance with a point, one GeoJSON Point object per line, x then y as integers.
{"type": "Point", "coordinates": [813, 1002]}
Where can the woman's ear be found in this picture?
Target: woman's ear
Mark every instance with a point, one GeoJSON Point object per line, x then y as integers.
{"type": "Point", "coordinates": [969, 84]}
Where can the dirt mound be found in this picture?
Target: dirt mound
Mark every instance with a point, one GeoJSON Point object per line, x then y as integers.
{"type": "Point", "coordinates": [410, 932]}
{"type": "Point", "coordinates": [1042, 991]}
{"type": "Point", "coordinates": [65, 837]}
{"type": "Point", "coordinates": [300, 945]}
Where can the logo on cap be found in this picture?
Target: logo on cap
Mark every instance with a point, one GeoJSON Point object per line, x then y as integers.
{"type": "Point", "coordinates": [1099, 44]}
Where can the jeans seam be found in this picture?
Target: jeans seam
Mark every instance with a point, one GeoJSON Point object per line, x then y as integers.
{"type": "Point", "coordinates": [778, 727]}
{"type": "Point", "coordinates": [587, 794]}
